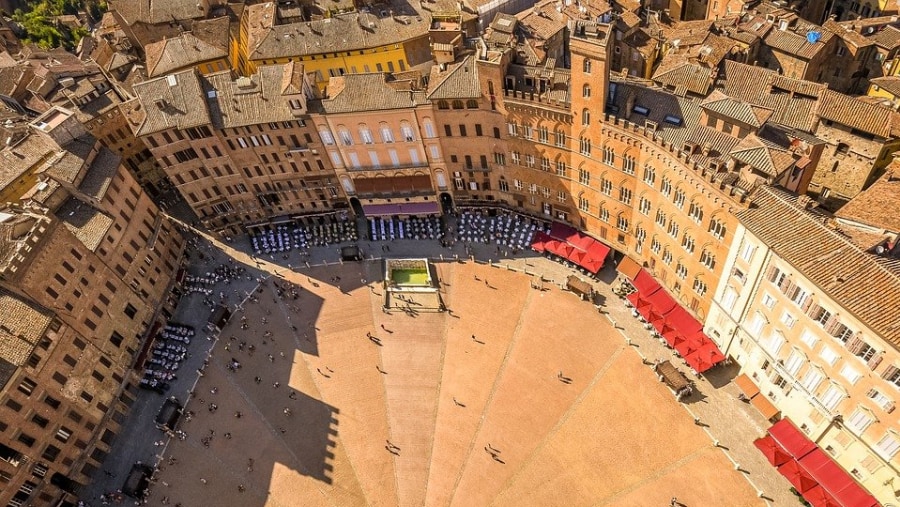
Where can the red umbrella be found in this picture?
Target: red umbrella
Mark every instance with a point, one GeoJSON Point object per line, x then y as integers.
{"type": "Point", "coordinates": [772, 451]}
{"type": "Point", "coordinates": [797, 476]}
{"type": "Point", "coordinates": [705, 357]}
{"type": "Point", "coordinates": [818, 497]}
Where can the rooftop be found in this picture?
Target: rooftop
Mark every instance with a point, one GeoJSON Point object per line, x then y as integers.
{"type": "Point", "coordinates": [342, 32]}
{"type": "Point", "coordinates": [261, 98]}
{"type": "Point", "coordinates": [157, 11]}
{"type": "Point", "coordinates": [794, 41]}
{"type": "Point", "coordinates": [877, 205]}
{"type": "Point", "coordinates": [87, 223]}
{"type": "Point", "coordinates": [845, 272]}
{"type": "Point", "coordinates": [890, 84]}
{"type": "Point", "coordinates": [459, 81]}
{"type": "Point", "coordinates": [23, 326]}
{"type": "Point", "coordinates": [169, 55]}
{"type": "Point", "coordinates": [173, 101]}
{"type": "Point", "coordinates": [367, 92]}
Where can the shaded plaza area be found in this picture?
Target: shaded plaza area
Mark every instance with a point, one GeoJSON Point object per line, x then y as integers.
{"type": "Point", "coordinates": [516, 396]}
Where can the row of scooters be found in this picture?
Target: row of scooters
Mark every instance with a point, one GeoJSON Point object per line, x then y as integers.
{"type": "Point", "coordinates": [166, 356]}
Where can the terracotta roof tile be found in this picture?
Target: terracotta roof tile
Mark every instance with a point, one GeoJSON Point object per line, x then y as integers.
{"type": "Point", "coordinates": [762, 156]}
{"type": "Point", "coordinates": [367, 92]}
{"type": "Point", "coordinates": [173, 101]}
{"type": "Point", "coordinates": [877, 205]}
{"type": "Point", "coordinates": [344, 32]}
{"type": "Point", "coordinates": [156, 11]}
{"type": "Point", "coordinates": [23, 323]}
{"type": "Point", "coordinates": [851, 277]}
{"type": "Point", "coordinates": [856, 113]}
{"type": "Point", "coordinates": [739, 110]}
{"type": "Point", "coordinates": [887, 38]}
{"type": "Point", "coordinates": [261, 98]}
{"type": "Point", "coordinates": [793, 40]}
{"type": "Point", "coordinates": [677, 71]}
{"type": "Point", "coordinates": [87, 223]}
{"type": "Point", "coordinates": [890, 84]}
{"type": "Point", "coordinates": [458, 82]}
{"type": "Point", "coordinates": [169, 55]}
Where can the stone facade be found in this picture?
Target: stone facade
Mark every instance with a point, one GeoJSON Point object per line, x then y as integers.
{"type": "Point", "coordinates": [89, 265]}
{"type": "Point", "coordinates": [799, 333]}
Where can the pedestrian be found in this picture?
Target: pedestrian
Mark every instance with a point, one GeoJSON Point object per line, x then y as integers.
{"type": "Point", "coordinates": [202, 480]}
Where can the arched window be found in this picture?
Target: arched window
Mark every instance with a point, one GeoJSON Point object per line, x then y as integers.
{"type": "Point", "coordinates": [365, 134]}
{"type": "Point", "coordinates": [585, 116]}
{"type": "Point", "coordinates": [471, 104]}
{"type": "Point", "coordinates": [586, 66]}
{"type": "Point", "coordinates": [429, 128]}
{"type": "Point", "coordinates": [443, 104]}
{"type": "Point", "coordinates": [586, 91]}
{"type": "Point", "coordinates": [457, 104]}
{"type": "Point", "coordinates": [407, 132]}
{"type": "Point", "coordinates": [345, 136]}
{"type": "Point", "coordinates": [387, 135]}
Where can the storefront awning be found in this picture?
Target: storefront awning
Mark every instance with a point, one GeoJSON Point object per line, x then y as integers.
{"type": "Point", "coordinates": [705, 357]}
{"type": "Point", "coordinates": [406, 208]}
{"type": "Point", "coordinates": [645, 283]}
{"type": "Point", "coordinates": [791, 439]}
{"type": "Point", "coordinates": [838, 483]}
{"type": "Point", "coordinates": [628, 267]}
{"type": "Point", "coordinates": [772, 451]}
{"type": "Point", "coordinates": [568, 243]}
{"type": "Point", "coordinates": [746, 385]}
{"type": "Point", "coordinates": [765, 407]}
{"type": "Point", "coordinates": [821, 481]}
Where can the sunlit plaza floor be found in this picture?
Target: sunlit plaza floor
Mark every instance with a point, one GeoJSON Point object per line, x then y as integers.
{"type": "Point", "coordinates": [343, 404]}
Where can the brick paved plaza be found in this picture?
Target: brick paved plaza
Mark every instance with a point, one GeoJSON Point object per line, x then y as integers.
{"type": "Point", "coordinates": [465, 408]}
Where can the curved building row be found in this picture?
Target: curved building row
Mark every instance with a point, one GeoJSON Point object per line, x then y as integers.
{"type": "Point", "coordinates": [670, 180]}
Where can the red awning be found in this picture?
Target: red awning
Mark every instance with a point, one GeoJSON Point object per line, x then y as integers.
{"type": "Point", "coordinates": [637, 300]}
{"type": "Point", "coordinates": [597, 253]}
{"type": "Point", "coordinates": [662, 302]}
{"type": "Point", "coordinates": [582, 242]}
{"type": "Point", "coordinates": [818, 497]}
{"type": "Point", "coordinates": [835, 480]}
{"type": "Point", "coordinates": [682, 320]}
{"type": "Point", "coordinates": [791, 439]}
{"type": "Point", "coordinates": [537, 243]}
{"type": "Point", "coordinates": [562, 231]}
{"type": "Point", "coordinates": [705, 357]}
{"type": "Point", "coordinates": [772, 451]}
{"type": "Point", "coordinates": [645, 283]}
{"type": "Point", "coordinates": [797, 476]}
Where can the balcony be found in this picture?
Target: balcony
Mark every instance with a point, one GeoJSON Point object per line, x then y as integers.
{"type": "Point", "coordinates": [411, 165]}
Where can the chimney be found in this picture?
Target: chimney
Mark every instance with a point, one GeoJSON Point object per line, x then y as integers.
{"type": "Point", "coordinates": [803, 201]}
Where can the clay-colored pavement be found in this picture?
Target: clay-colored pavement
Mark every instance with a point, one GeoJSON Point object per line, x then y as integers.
{"type": "Point", "coordinates": [463, 409]}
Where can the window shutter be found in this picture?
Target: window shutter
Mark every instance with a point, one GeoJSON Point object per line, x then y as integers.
{"type": "Point", "coordinates": [807, 304]}
{"type": "Point", "coordinates": [871, 393]}
{"type": "Point", "coordinates": [770, 273]}
{"type": "Point", "coordinates": [855, 344]}
{"type": "Point", "coordinates": [831, 324]}
{"type": "Point", "coordinates": [786, 284]}
{"type": "Point", "coordinates": [889, 407]}
{"type": "Point", "coordinates": [875, 361]}
{"type": "Point", "coordinates": [889, 372]}
{"type": "Point", "coordinates": [814, 310]}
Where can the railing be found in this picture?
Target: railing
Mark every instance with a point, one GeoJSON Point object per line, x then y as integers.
{"type": "Point", "coordinates": [411, 165]}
